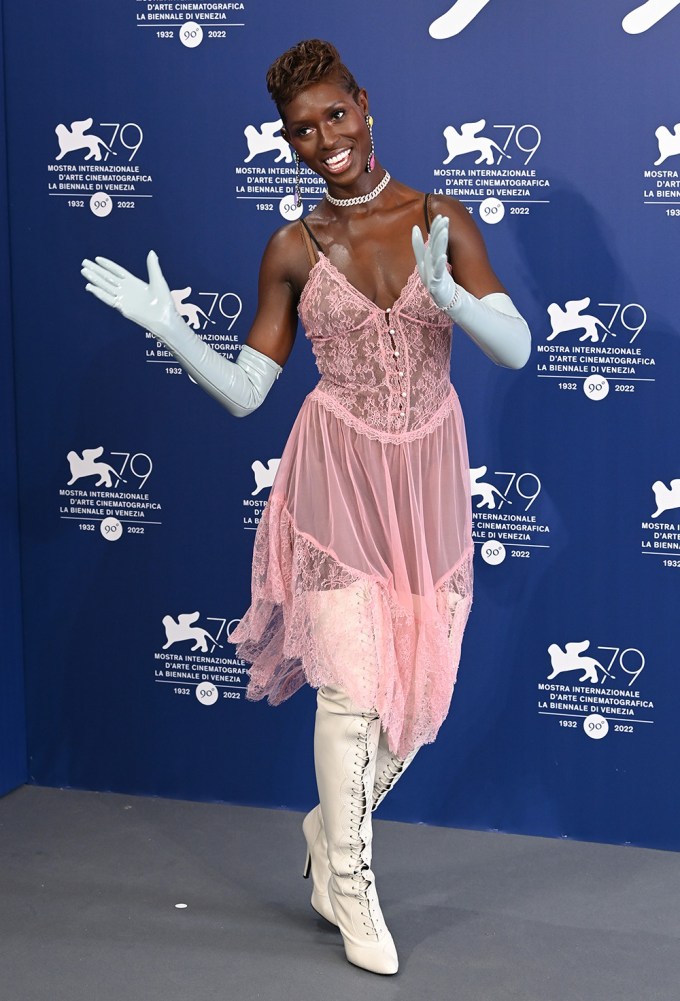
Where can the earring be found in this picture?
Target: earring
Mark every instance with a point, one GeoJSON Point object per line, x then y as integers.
{"type": "Point", "coordinates": [298, 193]}
{"type": "Point", "coordinates": [371, 156]}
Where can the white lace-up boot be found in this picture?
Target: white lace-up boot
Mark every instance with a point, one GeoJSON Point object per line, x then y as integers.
{"type": "Point", "coordinates": [345, 751]}
{"type": "Point", "coordinates": [389, 769]}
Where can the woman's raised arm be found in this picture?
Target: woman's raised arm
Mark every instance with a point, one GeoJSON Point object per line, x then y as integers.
{"type": "Point", "coordinates": [240, 386]}
{"type": "Point", "coordinates": [471, 294]}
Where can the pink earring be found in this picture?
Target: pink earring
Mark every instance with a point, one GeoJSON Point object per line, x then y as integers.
{"type": "Point", "coordinates": [371, 156]}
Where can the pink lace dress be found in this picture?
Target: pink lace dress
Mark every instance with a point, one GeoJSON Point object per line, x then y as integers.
{"type": "Point", "coordinates": [362, 564]}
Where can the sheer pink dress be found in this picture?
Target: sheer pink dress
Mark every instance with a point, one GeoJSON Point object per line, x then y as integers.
{"type": "Point", "coordinates": [362, 564]}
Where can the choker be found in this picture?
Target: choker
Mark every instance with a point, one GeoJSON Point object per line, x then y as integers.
{"type": "Point", "coordinates": [361, 199]}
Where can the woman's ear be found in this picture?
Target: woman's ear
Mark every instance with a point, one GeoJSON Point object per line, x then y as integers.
{"type": "Point", "coordinates": [362, 101]}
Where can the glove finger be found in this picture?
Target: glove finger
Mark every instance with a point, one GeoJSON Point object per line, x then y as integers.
{"type": "Point", "coordinates": [106, 297]}
{"type": "Point", "coordinates": [417, 243]}
{"type": "Point", "coordinates": [440, 237]}
{"type": "Point", "coordinates": [428, 262]}
{"type": "Point", "coordinates": [98, 283]}
{"type": "Point", "coordinates": [439, 266]}
{"type": "Point", "coordinates": [156, 280]}
{"type": "Point", "coordinates": [438, 223]}
{"type": "Point", "coordinates": [112, 267]}
{"type": "Point", "coordinates": [100, 276]}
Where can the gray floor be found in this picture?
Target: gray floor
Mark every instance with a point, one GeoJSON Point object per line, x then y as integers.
{"type": "Point", "coordinates": [89, 883]}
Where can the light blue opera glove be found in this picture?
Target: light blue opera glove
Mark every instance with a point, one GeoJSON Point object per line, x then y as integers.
{"type": "Point", "coordinates": [492, 322]}
{"type": "Point", "coordinates": [240, 386]}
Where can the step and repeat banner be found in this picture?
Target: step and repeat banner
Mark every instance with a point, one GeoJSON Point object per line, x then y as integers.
{"type": "Point", "coordinates": [142, 124]}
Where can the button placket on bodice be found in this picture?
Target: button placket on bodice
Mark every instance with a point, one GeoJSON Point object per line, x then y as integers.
{"type": "Point", "coordinates": [397, 370]}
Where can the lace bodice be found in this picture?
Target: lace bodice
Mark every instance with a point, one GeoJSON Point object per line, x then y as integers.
{"type": "Point", "coordinates": [385, 370]}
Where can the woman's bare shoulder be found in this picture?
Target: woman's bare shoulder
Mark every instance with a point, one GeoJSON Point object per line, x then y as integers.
{"type": "Point", "coordinates": [285, 241]}
{"type": "Point", "coordinates": [286, 256]}
{"type": "Point", "coordinates": [450, 207]}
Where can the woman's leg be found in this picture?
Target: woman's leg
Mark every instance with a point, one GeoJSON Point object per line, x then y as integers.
{"type": "Point", "coordinates": [389, 769]}
{"type": "Point", "coordinates": [345, 755]}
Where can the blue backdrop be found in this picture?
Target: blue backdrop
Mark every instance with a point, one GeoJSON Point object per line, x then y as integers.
{"type": "Point", "coordinates": [12, 722]}
{"type": "Point", "coordinates": [130, 128]}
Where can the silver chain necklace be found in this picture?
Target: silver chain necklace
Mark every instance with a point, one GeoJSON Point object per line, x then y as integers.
{"type": "Point", "coordinates": [361, 199]}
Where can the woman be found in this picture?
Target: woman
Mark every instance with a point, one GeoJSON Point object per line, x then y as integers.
{"type": "Point", "coordinates": [362, 566]}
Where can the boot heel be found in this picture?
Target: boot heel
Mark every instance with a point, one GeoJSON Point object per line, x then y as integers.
{"type": "Point", "coordinates": [316, 864]}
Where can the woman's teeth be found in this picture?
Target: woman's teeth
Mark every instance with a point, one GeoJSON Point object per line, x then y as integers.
{"type": "Point", "coordinates": [340, 161]}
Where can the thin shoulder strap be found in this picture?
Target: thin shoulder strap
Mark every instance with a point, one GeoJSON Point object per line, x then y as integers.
{"type": "Point", "coordinates": [308, 236]}
{"type": "Point", "coordinates": [426, 209]}
{"type": "Point", "coordinates": [314, 239]}
{"type": "Point", "coordinates": [307, 243]}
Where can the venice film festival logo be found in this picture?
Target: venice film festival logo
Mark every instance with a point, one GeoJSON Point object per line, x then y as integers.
{"type": "Point", "coordinates": [109, 492]}
{"type": "Point", "coordinates": [662, 537]}
{"type": "Point", "coordinates": [270, 182]}
{"type": "Point", "coordinates": [601, 346]}
{"type": "Point", "coordinates": [84, 171]}
{"type": "Point", "coordinates": [495, 166]}
{"type": "Point", "coordinates": [202, 664]}
{"type": "Point", "coordinates": [463, 12]}
{"type": "Point", "coordinates": [212, 313]}
{"type": "Point", "coordinates": [264, 475]}
{"type": "Point", "coordinates": [502, 519]}
{"type": "Point", "coordinates": [603, 694]}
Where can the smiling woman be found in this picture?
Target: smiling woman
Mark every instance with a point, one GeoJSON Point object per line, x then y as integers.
{"type": "Point", "coordinates": [344, 127]}
{"type": "Point", "coordinates": [362, 564]}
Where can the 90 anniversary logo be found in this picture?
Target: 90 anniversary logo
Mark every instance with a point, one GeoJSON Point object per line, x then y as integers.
{"type": "Point", "coordinates": [116, 500]}
{"type": "Point", "coordinates": [493, 169]}
{"type": "Point", "coordinates": [202, 667]}
{"type": "Point", "coordinates": [86, 173]}
{"type": "Point", "coordinates": [605, 694]}
{"type": "Point", "coordinates": [593, 344]}
{"type": "Point", "coordinates": [502, 517]}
